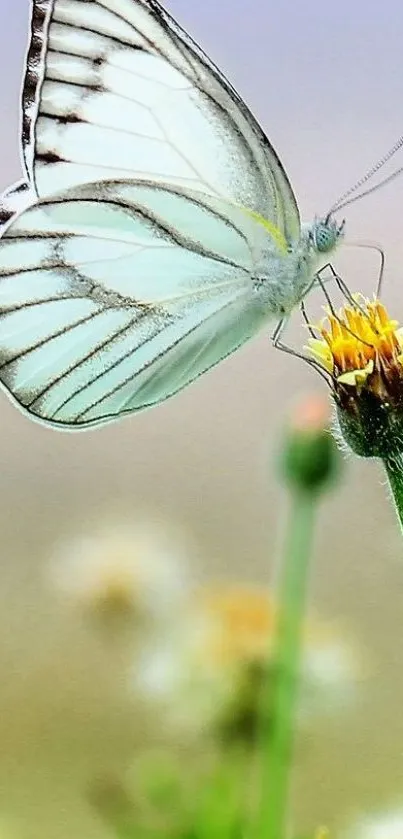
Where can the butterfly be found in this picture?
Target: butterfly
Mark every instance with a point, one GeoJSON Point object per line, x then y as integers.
{"type": "Point", "coordinates": [155, 229]}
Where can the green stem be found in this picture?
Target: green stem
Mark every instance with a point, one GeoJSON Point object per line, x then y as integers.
{"type": "Point", "coordinates": [394, 471]}
{"type": "Point", "coordinates": [278, 730]}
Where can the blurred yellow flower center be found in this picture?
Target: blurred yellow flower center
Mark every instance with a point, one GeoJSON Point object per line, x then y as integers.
{"type": "Point", "coordinates": [353, 340]}
{"type": "Point", "coordinates": [240, 626]}
{"type": "Point", "coordinates": [242, 622]}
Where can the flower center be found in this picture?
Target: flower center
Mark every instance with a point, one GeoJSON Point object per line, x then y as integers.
{"type": "Point", "coordinates": [354, 340]}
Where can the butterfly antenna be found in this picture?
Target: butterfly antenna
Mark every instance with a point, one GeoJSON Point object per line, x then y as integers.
{"type": "Point", "coordinates": [368, 191]}
{"type": "Point", "coordinates": [343, 200]}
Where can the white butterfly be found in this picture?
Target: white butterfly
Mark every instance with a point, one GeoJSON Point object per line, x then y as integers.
{"type": "Point", "coordinates": [155, 230]}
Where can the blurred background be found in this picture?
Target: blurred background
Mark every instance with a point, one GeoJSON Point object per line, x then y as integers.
{"type": "Point", "coordinates": [187, 494]}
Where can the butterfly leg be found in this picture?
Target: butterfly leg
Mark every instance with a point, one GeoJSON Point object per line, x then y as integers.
{"type": "Point", "coordinates": [341, 285]}
{"type": "Point", "coordinates": [306, 319]}
{"type": "Point", "coordinates": [349, 297]}
{"type": "Point", "coordinates": [278, 332]}
{"type": "Point", "coordinates": [381, 270]}
{"type": "Point", "coordinates": [321, 280]}
{"type": "Point", "coordinates": [279, 345]}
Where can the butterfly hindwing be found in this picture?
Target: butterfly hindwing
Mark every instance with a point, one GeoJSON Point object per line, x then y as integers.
{"type": "Point", "coordinates": [115, 296]}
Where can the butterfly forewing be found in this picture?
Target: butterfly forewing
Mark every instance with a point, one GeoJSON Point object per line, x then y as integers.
{"type": "Point", "coordinates": [115, 88]}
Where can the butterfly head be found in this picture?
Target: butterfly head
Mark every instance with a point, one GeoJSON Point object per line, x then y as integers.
{"type": "Point", "coordinates": [326, 233]}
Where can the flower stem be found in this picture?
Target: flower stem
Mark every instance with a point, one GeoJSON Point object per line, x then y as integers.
{"type": "Point", "coordinates": [394, 471]}
{"type": "Point", "coordinates": [278, 731]}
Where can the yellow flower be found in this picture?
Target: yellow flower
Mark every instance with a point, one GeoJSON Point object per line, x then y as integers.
{"type": "Point", "coordinates": [361, 347]}
{"type": "Point", "coordinates": [357, 343]}
{"type": "Point", "coordinates": [239, 632]}
{"type": "Point", "coordinates": [239, 625]}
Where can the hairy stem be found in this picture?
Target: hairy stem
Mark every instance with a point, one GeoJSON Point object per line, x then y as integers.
{"type": "Point", "coordinates": [394, 471]}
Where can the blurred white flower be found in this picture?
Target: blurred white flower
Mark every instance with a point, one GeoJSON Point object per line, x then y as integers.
{"type": "Point", "coordinates": [209, 667]}
{"type": "Point", "coordinates": [67, 711]}
{"type": "Point", "coordinates": [170, 672]}
{"type": "Point", "coordinates": [332, 667]}
{"type": "Point", "coordinates": [384, 825]}
{"type": "Point", "coordinates": [136, 570]}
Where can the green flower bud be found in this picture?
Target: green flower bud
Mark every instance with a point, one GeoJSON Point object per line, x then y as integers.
{"type": "Point", "coordinates": [310, 458]}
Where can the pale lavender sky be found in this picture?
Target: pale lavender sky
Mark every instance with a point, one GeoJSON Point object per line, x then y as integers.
{"type": "Point", "coordinates": [325, 79]}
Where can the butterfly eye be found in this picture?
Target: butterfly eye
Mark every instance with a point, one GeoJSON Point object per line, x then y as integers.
{"type": "Point", "coordinates": [325, 236]}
